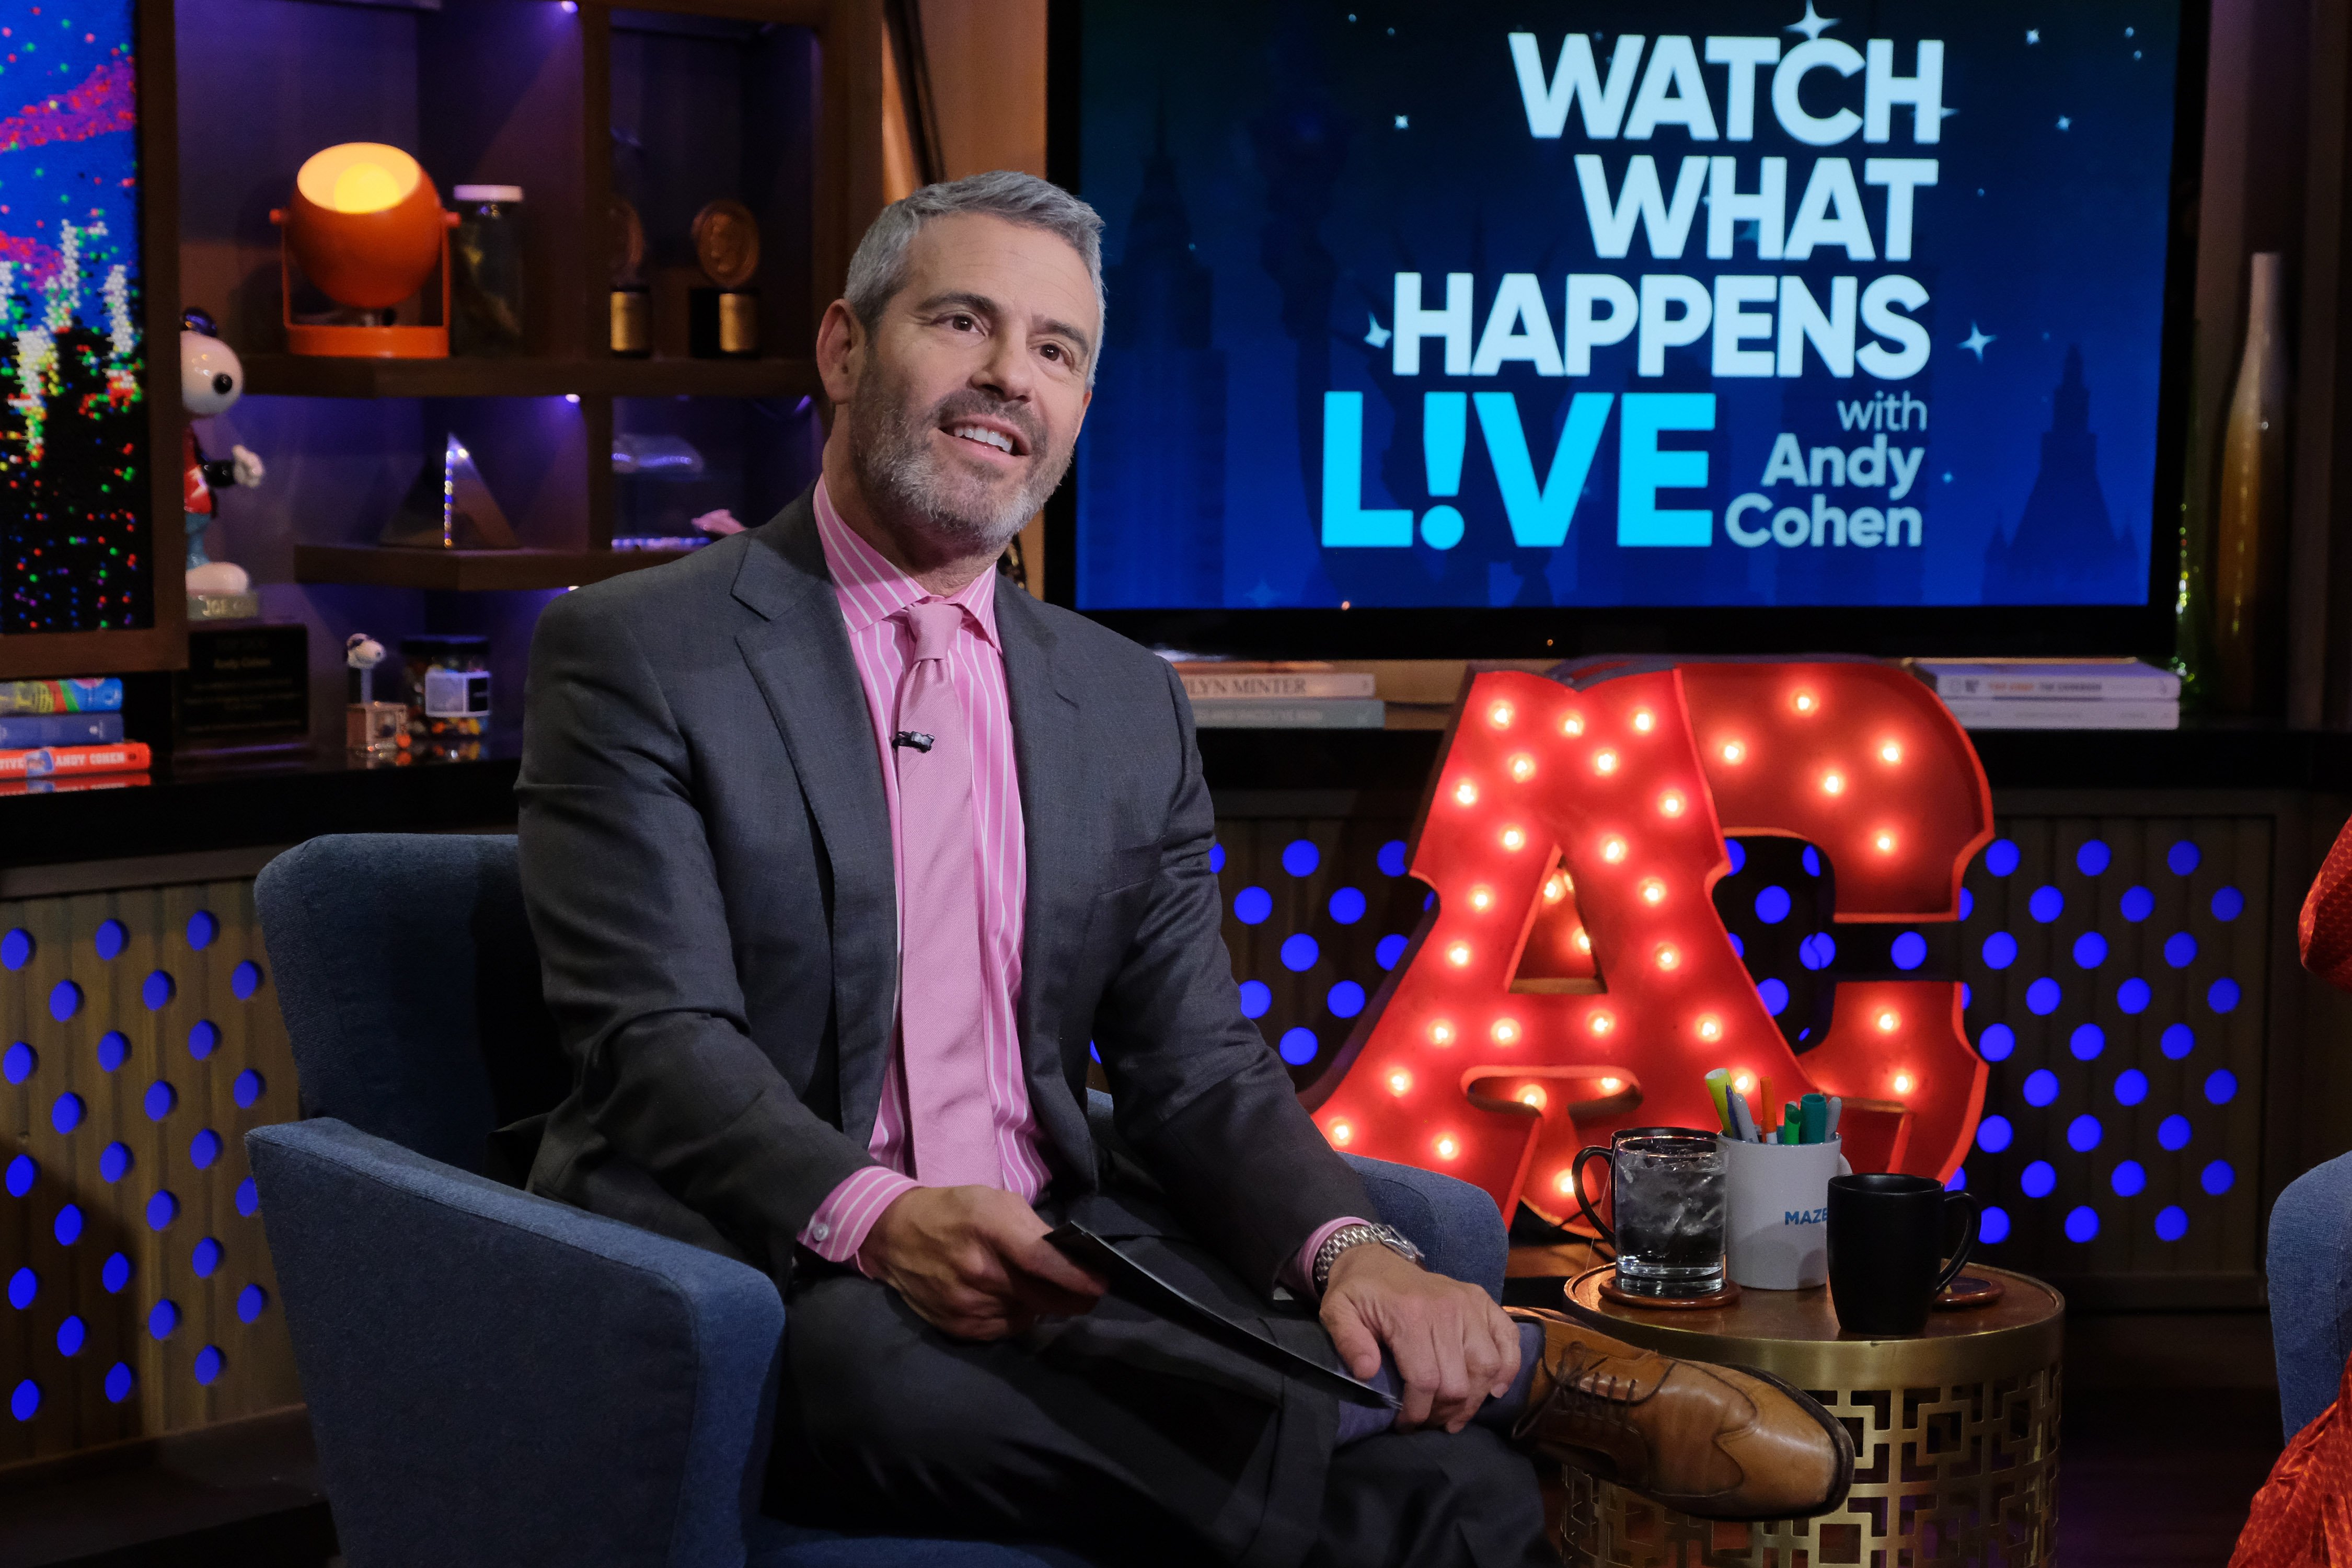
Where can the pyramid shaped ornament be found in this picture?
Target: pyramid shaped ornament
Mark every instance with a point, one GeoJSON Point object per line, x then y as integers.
{"type": "Point", "coordinates": [450, 509]}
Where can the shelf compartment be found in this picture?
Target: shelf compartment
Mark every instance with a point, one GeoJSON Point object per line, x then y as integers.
{"type": "Point", "coordinates": [469, 571]}
{"type": "Point", "coordinates": [312, 376]}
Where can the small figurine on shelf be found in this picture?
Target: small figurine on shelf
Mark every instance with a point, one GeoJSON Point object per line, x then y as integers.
{"type": "Point", "coordinates": [211, 381]}
{"type": "Point", "coordinates": [374, 732]}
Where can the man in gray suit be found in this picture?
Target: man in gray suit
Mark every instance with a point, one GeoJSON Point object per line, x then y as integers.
{"type": "Point", "coordinates": [840, 856]}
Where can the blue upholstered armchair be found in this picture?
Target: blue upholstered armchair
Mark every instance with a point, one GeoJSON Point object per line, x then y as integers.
{"type": "Point", "coordinates": [494, 1379]}
{"type": "Point", "coordinates": [2311, 1289]}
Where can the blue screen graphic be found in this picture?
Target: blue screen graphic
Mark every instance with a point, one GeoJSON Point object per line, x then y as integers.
{"type": "Point", "coordinates": [1711, 303]}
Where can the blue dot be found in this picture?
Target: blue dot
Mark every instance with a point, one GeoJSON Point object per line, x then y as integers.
{"type": "Point", "coordinates": [204, 1038]}
{"type": "Point", "coordinates": [2039, 1180]}
{"type": "Point", "coordinates": [72, 1334]}
{"type": "Point", "coordinates": [2217, 1178]}
{"type": "Point", "coordinates": [2177, 1041]}
{"type": "Point", "coordinates": [1959, 1182]}
{"type": "Point", "coordinates": [2040, 1087]}
{"type": "Point", "coordinates": [2139, 903]}
{"type": "Point", "coordinates": [1993, 1135]}
{"type": "Point", "coordinates": [1094, 1051]}
{"type": "Point", "coordinates": [66, 1113]}
{"type": "Point", "coordinates": [1967, 903]}
{"type": "Point", "coordinates": [1818, 951]}
{"type": "Point", "coordinates": [161, 1210]}
{"type": "Point", "coordinates": [2082, 1223]}
{"type": "Point", "coordinates": [2228, 904]}
{"type": "Point", "coordinates": [1253, 905]}
{"type": "Point", "coordinates": [1346, 1000]}
{"type": "Point", "coordinates": [1737, 853]}
{"type": "Point", "coordinates": [26, 1401]}
{"type": "Point", "coordinates": [1812, 860]}
{"type": "Point", "coordinates": [22, 1172]}
{"type": "Point", "coordinates": [2179, 950]}
{"type": "Point", "coordinates": [2083, 1133]}
{"type": "Point", "coordinates": [1999, 950]}
{"type": "Point", "coordinates": [208, 1365]}
{"type": "Point", "coordinates": [202, 930]}
{"type": "Point", "coordinates": [119, 1380]}
{"type": "Point", "coordinates": [204, 1149]}
{"type": "Point", "coordinates": [17, 1062]}
{"type": "Point", "coordinates": [2046, 904]}
{"type": "Point", "coordinates": [1738, 948]}
{"type": "Point", "coordinates": [1388, 949]}
{"type": "Point", "coordinates": [1993, 1226]}
{"type": "Point", "coordinates": [249, 1198]}
{"type": "Point", "coordinates": [2131, 1087]}
{"type": "Point", "coordinates": [251, 1302]}
{"type": "Point", "coordinates": [2222, 996]}
{"type": "Point", "coordinates": [1909, 951]}
{"type": "Point", "coordinates": [1299, 857]}
{"type": "Point", "coordinates": [205, 1257]}
{"type": "Point", "coordinates": [246, 978]}
{"type": "Point", "coordinates": [23, 1285]}
{"type": "Point", "coordinates": [1968, 995]}
{"type": "Point", "coordinates": [2001, 858]}
{"type": "Point", "coordinates": [16, 949]}
{"type": "Point", "coordinates": [2171, 1223]}
{"type": "Point", "coordinates": [1391, 860]}
{"type": "Point", "coordinates": [1257, 998]}
{"type": "Point", "coordinates": [160, 1100]}
{"type": "Point", "coordinates": [1298, 1047]}
{"type": "Point", "coordinates": [2129, 1180]}
{"type": "Point", "coordinates": [164, 1319]}
{"type": "Point", "coordinates": [1772, 905]}
{"type": "Point", "coordinates": [65, 1000]}
{"type": "Point", "coordinates": [68, 1229]}
{"type": "Point", "coordinates": [2093, 858]}
{"type": "Point", "coordinates": [1774, 995]}
{"type": "Point", "coordinates": [157, 989]}
{"type": "Point", "coordinates": [1995, 1044]}
{"type": "Point", "coordinates": [2172, 1132]}
{"type": "Point", "coordinates": [116, 1274]}
{"type": "Point", "coordinates": [113, 1050]}
{"type": "Point", "coordinates": [2222, 1086]}
{"type": "Point", "coordinates": [1300, 953]}
{"type": "Point", "coordinates": [2086, 1042]}
{"type": "Point", "coordinates": [1347, 906]}
{"type": "Point", "coordinates": [114, 1163]}
{"type": "Point", "coordinates": [111, 938]}
{"type": "Point", "coordinates": [2133, 996]}
{"type": "Point", "coordinates": [1217, 861]}
{"type": "Point", "coordinates": [2042, 997]}
{"type": "Point", "coordinates": [2090, 950]}
{"type": "Point", "coordinates": [2183, 857]}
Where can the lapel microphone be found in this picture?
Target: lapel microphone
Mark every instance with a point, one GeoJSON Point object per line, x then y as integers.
{"type": "Point", "coordinates": [914, 738]}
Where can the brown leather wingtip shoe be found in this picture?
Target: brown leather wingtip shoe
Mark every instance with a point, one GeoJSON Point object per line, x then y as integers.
{"type": "Point", "coordinates": [1720, 1442]}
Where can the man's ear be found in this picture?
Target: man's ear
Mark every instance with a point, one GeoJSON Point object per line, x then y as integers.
{"type": "Point", "coordinates": [841, 342]}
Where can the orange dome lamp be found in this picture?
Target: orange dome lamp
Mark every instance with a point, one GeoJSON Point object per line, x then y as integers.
{"type": "Point", "coordinates": [366, 226]}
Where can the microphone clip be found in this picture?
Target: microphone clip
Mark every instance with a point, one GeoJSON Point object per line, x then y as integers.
{"type": "Point", "coordinates": [914, 738]}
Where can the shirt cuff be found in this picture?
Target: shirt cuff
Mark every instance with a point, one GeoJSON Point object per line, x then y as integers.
{"type": "Point", "coordinates": [842, 1223]}
{"type": "Point", "coordinates": [1300, 1273]}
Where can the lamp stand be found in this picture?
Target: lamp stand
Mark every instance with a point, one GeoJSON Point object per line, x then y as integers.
{"type": "Point", "coordinates": [362, 342]}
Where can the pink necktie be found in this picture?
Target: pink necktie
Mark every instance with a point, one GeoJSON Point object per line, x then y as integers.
{"type": "Point", "coordinates": [940, 982]}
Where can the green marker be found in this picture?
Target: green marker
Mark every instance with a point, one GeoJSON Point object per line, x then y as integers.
{"type": "Point", "coordinates": [1719, 1090]}
{"type": "Point", "coordinates": [1791, 1123]}
{"type": "Point", "coordinates": [1816, 1114]}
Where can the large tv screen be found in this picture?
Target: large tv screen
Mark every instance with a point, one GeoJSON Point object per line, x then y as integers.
{"type": "Point", "coordinates": [1705, 305]}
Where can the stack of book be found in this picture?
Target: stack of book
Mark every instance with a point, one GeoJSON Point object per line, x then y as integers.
{"type": "Point", "coordinates": [66, 734]}
{"type": "Point", "coordinates": [1237, 695]}
{"type": "Point", "coordinates": [2054, 694]}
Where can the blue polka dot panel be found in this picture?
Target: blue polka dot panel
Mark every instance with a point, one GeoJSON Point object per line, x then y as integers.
{"type": "Point", "coordinates": [140, 1040]}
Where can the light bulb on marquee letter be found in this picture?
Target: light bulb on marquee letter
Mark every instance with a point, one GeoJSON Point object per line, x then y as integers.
{"type": "Point", "coordinates": [1663, 999]}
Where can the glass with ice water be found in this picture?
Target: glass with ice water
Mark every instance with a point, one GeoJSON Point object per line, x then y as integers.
{"type": "Point", "coordinates": [1667, 1186]}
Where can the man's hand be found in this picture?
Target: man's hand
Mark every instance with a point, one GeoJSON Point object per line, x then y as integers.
{"type": "Point", "coordinates": [974, 1262]}
{"type": "Point", "coordinates": [1453, 1347]}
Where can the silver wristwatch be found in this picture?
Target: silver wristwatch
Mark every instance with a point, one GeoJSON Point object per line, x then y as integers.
{"type": "Point", "coordinates": [1349, 1235]}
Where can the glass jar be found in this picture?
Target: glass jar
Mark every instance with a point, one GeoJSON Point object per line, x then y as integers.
{"type": "Point", "coordinates": [486, 266]}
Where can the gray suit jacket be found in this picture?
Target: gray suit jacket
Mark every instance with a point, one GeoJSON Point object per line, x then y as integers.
{"type": "Point", "coordinates": [706, 860]}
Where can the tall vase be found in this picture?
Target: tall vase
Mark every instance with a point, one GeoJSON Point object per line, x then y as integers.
{"type": "Point", "coordinates": [2250, 534]}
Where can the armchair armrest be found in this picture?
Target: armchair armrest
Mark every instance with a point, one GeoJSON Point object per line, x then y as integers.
{"type": "Point", "coordinates": [495, 1378]}
{"type": "Point", "coordinates": [2310, 1266]}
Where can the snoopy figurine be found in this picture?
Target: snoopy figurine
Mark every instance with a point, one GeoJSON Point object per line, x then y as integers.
{"type": "Point", "coordinates": [211, 381]}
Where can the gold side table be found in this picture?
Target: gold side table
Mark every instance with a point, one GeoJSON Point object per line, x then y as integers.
{"type": "Point", "coordinates": [1954, 1434]}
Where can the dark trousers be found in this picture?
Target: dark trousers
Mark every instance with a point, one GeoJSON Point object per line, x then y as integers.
{"type": "Point", "coordinates": [1122, 1435]}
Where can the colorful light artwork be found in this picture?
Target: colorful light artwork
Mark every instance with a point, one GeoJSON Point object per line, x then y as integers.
{"type": "Point", "coordinates": [1573, 977]}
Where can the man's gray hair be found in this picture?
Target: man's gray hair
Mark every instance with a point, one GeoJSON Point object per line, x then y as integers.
{"type": "Point", "coordinates": [879, 270]}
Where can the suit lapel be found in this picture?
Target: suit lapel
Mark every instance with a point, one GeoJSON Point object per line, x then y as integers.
{"type": "Point", "coordinates": [800, 655]}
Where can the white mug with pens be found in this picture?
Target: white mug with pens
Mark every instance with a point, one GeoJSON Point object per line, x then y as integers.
{"type": "Point", "coordinates": [1777, 1174]}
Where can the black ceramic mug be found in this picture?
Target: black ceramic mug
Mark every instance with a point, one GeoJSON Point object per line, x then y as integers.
{"type": "Point", "coordinates": [1889, 1254]}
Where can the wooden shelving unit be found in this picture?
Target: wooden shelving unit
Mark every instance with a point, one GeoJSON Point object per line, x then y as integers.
{"type": "Point", "coordinates": [469, 571]}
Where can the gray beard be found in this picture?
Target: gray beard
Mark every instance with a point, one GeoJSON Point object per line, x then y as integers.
{"type": "Point", "coordinates": [904, 480]}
